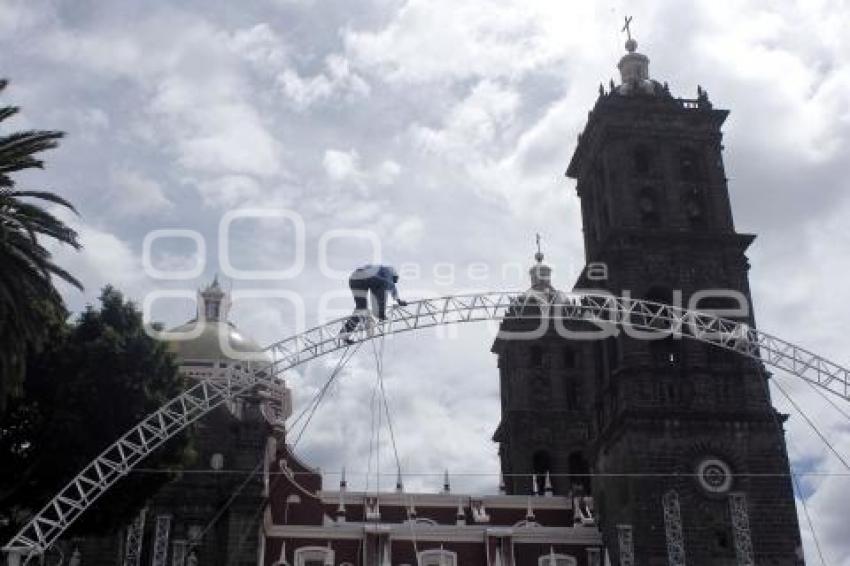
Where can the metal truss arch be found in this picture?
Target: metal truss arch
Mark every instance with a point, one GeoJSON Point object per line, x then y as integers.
{"type": "Point", "coordinates": [595, 308]}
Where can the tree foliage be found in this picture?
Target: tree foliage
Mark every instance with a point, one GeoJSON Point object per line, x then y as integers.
{"type": "Point", "coordinates": [27, 293]}
{"type": "Point", "coordinates": [95, 379]}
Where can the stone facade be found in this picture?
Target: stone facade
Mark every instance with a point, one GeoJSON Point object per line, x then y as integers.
{"type": "Point", "coordinates": [305, 525]}
{"type": "Point", "coordinates": [686, 451]}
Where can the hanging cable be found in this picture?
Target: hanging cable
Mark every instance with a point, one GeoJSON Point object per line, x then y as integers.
{"type": "Point", "coordinates": [808, 517]}
{"type": "Point", "coordinates": [827, 399]}
{"type": "Point", "coordinates": [794, 479]}
{"type": "Point", "coordinates": [371, 434]}
{"type": "Point", "coordinates": [310, 408]}
{"type": "Point", "coordinates": [387, 411]}
{"type": "Point", "coordinates": [812, 425]}
{"type": "Point", "coordinates": [412, 521]}
{"type": "Point", "coordinates": [317, 399]}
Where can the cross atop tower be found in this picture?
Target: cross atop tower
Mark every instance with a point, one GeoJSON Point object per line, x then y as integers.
{"type": "Point", "coordinates": [631, 44]}
{"type": "Point", "coordinates": [627, 27]}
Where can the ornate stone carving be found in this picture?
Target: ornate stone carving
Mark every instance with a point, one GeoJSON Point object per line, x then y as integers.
{"type": "Point", "coordinates": [135, 534]}
{"type": "Point", "coordinates": [626, 545]}
{"type": "Point", "coordinates": [741, 529]}
{"type": "Point", "coordinates": [178, 553]}
{"type": "Point", "coordinates": [673, 529]}
{"type": "Point", "coordinates": [160, 541]}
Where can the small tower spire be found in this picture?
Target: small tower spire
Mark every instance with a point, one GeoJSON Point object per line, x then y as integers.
{"type": "Point", "coordinates": [447, 488]}
{"type": "Point", "coordinates": [340, 510]}
{"type": "Point", "coordinates": [213, 304]}
{"type": "Point", "coordinates": [539, 255]}
{"type": "Point", "coordinates": [540, 273]}
{"type": "Point", "coordinates": [529, 512]}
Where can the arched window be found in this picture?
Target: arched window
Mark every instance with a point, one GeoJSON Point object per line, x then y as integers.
{"type": "Point", "coordinates": [314, 556]}
{"type": "Point", "coordinates": [553, 559]}
{"type": "Point", "coordinates": [437, 557]}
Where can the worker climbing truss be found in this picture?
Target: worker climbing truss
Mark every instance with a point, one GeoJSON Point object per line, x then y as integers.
{"type": "Point", "coordinates": [602, 310]}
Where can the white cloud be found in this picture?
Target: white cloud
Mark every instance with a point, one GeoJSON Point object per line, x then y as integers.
{"type": "Point", "coordinates": [408, 233]}
{"type": "Point", "coordinates": [341, 165]}
{"type": "Point", "coordinates": [474, 124]}
{"type": "Point", "coordinates": [133, 193]}
{"type": "Point", "coordinates": [213, 129]}
{"type": "Point", "coordinates": [229, 191]}
{"type": "Point", "coordinates": [260, 45]}
{"type": "Point", "coordinates": [337, 81]}
{"type": "Point", "coordinates": [103, 260]}
{"type": "Point", "coordinates": [433, 40]}
{"type": "Point", "coordinates": [344, 168]}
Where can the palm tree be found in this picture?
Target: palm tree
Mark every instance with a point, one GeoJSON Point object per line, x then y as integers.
{"type": "Point", "coordinates": [27, 296]}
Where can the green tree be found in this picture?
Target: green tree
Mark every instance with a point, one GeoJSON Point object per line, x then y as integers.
{"type": "Point", "coordinates": [95, 379]}
{"type": "Point", "coordinates": [27, 293]}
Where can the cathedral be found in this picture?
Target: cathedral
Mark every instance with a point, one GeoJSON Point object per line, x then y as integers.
{"type": "Point", "coordinates": [623, 450]}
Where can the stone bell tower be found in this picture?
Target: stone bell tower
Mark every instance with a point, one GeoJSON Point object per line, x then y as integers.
{"type": "Point", "coordinates": [543, 433]}
{"type": "Point", "coordinates": [677, 441]}
{"type": "Point", "coordinates": [687, 451]}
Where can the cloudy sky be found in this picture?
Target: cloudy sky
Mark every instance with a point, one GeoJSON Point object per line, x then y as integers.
{"type": "Point", "coordinates": [443, 128]}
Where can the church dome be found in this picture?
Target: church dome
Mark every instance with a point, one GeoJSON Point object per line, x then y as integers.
{"type": "Point", "coordinates": [210, 336]}
{"type": "Point", "coordinates": [210, 342]}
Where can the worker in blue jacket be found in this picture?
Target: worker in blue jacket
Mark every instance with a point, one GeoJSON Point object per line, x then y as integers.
{"type": "Point", "coordinates": [375, 280]}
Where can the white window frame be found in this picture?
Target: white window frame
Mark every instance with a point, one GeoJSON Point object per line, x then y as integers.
{"type": "Point", "coordinates": [450, 557]}
{"type": "Point", "coordinates": [305, 553]}
{"type": "Point", "coordinates": [545, 559]}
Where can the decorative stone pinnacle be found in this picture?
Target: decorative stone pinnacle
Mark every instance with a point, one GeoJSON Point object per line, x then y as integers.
{"type": "Point", "coordinates": [539, 255]}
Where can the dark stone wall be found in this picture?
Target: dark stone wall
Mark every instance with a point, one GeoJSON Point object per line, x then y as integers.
{"type": "Point", "coordinates": [657, 414]}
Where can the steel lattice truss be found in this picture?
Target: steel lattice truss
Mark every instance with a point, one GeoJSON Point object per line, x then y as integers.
{"type": "Point", "coordinates": [557, 309]}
